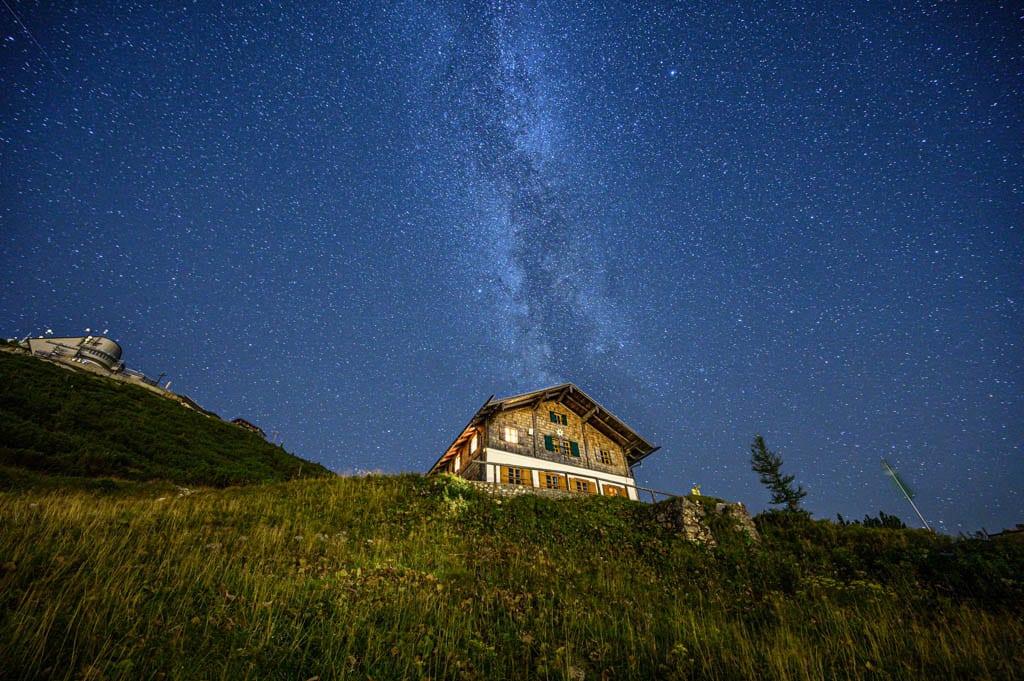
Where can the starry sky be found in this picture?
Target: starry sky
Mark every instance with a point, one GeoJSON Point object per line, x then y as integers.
{"type": "Point", "coordinates": [351, 223]}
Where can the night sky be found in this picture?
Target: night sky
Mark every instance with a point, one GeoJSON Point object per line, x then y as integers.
{"type": "Point", "coordinates": [351, 225]}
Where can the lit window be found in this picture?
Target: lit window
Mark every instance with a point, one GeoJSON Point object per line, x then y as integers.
{"type": "Point", "coordinates": [510, 435]}
{"type": "Point", "coordinates": [473, 442]}
{"type": "Point", "coordinates": [605, 457]}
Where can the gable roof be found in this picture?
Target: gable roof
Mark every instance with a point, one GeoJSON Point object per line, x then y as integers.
{"type": "Point", "coordinates": [574, 399]}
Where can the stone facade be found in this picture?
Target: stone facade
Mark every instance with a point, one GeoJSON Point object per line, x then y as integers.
{"type": "Point", "coordinates": [533, 425]}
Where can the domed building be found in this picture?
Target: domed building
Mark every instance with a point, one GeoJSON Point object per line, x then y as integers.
{"type": "Point", "coordinates": [102, 351]}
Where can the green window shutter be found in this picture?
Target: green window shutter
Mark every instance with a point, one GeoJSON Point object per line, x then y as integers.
{"type": "Point", "coordinates": [548, 444]}
{"type": "Point", "coordinates": [574, 448]}
{"type": "Point", "coordinates": [565, 420]}
{"type": "Point", "coordinates": [554, 417]}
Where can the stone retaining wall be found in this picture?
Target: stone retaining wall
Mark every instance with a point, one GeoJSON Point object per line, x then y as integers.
{"type": "Point", "coordinates": [690, 518]}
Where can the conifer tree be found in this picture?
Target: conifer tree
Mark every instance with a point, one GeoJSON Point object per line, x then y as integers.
{"type": "Point", "coordinates": [768, 465]}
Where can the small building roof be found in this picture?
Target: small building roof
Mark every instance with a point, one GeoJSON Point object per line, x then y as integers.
{"type": "Point", "coordinates": [574, 399]}
{"type": "Point", "coordinates": [242, 423]}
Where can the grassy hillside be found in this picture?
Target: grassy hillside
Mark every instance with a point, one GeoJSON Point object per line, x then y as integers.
{"type": "Point", "coordinates": [59, 422]}
{"type": "Point", "coordinates": [405, 577]}
{"type": "Point", "coordinates": [411, 578]}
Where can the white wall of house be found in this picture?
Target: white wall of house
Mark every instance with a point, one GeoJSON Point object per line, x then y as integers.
{"type": "Point", "coordinates": [503, 458]}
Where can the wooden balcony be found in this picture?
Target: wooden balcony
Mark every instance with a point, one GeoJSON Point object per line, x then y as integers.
{"type": "Point", "coordinates": [527, 449]}
{"type": "Point", "coordinates": [481, 471]}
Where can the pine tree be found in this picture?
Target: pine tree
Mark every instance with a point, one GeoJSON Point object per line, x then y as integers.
{"type": "Point", "coordinates": [768, 465]}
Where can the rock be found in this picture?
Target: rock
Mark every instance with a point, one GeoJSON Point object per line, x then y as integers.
{"type": "Point", "coordinates": [690, 518]}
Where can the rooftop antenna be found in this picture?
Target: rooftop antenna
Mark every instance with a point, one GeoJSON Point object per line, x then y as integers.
{"type": "Point", "coordinates": [905, 489]}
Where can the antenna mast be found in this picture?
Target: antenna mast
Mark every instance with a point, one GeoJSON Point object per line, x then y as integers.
{"type": "Point", "coordinates": [906, 492]}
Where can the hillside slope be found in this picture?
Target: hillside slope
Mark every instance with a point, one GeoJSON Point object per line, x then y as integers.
{"type": "Point", "coordinates": [60, 422]}
{"type": "Point", "coordinates": [406, 577]}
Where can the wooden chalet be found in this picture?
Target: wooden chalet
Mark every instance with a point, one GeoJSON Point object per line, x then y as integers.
{"type": "Point", "coordinates": [556, 438]}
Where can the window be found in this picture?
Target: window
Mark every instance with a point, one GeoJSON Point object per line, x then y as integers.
{"type": "Point", "coordinates": [614, 491]}
{"type": "Point", "coordinates": [558, 418]}
{"type": "Point", "coordinates": [583, 486]}
{"type": "Point", "coordinates": [510, 435]}
{"type": "Point", "coordinates": [516, 476]}
{"type": "Point", "coordinates": [560, 445]}
{"type": "Point", "coordinates": [473, 443]}
{"type": "Point", "coordinates": [553, 481]}
{"type": "Point", "coordinates": [605, 456]}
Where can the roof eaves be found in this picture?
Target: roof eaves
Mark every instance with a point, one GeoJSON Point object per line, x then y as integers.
{"type": "Point", "coordinates": [462, 432]}
{"type": "Point", "coordinates": [589, 407]}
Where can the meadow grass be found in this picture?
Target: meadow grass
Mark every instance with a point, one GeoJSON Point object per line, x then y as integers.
{"type": "Point", "coordinates": [395, 577]}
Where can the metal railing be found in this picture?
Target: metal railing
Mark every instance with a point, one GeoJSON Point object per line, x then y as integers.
{"type": "Point", "coordinates": [478, 471]}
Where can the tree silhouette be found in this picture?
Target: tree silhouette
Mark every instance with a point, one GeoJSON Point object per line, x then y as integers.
{"type": "Point", "coordinates": [768, 465]}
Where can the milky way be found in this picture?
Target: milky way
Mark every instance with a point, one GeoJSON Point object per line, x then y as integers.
{"type": "Point", "coordinates": [536, 262]}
